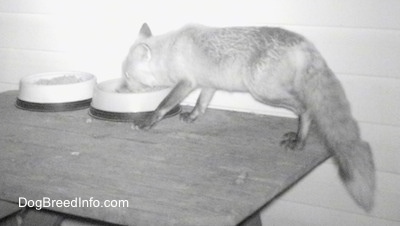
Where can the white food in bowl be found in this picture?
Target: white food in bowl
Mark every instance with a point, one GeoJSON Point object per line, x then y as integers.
{"type": "Point", "coordinates": [61, 80]}
{"type": "Point", "coordinates": [107, 98]}
{"type": "Point", "coordinates": [57, 87]}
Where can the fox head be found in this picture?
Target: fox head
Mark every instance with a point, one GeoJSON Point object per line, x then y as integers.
{"type": "Point", "coordinates": [136, 68]}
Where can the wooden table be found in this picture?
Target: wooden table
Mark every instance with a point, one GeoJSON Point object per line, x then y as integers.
{"type": "Point", "coordinates": [218, 171]}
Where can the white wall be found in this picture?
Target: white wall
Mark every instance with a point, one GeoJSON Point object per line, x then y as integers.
{"type": "Point", "coordinates": [360, 39]}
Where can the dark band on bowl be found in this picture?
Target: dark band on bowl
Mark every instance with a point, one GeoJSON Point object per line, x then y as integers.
{"type": "Point", "coordinates": [53, 107]}
{"type": "Point", "coordinates": [127, 117]}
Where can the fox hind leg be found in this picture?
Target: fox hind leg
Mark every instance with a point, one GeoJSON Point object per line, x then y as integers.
{"type": "Point", "coordinates": [201, 105]}
{"type": "Point", "coordinates": [297, 140]}
{"type": "Point", "coordinates": [273, 96]}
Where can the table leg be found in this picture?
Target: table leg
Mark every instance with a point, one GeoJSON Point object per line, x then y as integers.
{"type": "Point", "coordinates": [253, 220]}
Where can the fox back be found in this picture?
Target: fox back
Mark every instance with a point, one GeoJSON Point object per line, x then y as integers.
{"type": "Point", "coordinates": [223, 58]}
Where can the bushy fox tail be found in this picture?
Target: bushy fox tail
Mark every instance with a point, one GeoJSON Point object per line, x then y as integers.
{"type": "Point", "coordinates": [326, 101]}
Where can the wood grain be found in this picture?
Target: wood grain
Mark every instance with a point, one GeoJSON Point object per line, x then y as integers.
{"type": "Point", "coordinates": [217, 171]}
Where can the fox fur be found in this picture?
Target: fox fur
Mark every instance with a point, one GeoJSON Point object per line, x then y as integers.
{"type": "Point", "coordinates": [276, 66]}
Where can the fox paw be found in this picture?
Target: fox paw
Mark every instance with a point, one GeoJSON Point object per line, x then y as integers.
{"type": "Point", "coordinates": [290, 141]}
{"type": "Point", "coordinates": [140, 126]}
{"type": "Point", "coordinates": [144, 124]}
{"type": "Point", "coordinates": [187, 117]}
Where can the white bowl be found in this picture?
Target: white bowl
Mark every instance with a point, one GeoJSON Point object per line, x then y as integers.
{"type": "Point", "coordinates": [57, 87]}
{"type": "Point", "coordinates": [106, 98]}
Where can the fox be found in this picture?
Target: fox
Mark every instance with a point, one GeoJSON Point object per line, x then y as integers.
{"type": "Point", "coordinates": [276, 66]}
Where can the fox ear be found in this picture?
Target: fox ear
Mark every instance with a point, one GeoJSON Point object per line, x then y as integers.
{"type": "Point", "coordinates": [145, 31]}
{"type": "Point", "coordinates": [142, 52]}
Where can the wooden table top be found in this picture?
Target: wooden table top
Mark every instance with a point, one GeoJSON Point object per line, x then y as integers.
{"type": "Point", "coordinates": [217, 171]}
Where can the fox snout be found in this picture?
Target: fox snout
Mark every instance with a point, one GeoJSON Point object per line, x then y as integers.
{"type": "Point", "coordinates": [122, 87]}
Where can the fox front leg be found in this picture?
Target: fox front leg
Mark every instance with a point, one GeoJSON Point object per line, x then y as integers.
{"type": "Point", "coordinates": [178, 93]}
{"type": "Point", "coordinates": [201, 105]}
{"type": "Point", "coordinates": [296, 141]}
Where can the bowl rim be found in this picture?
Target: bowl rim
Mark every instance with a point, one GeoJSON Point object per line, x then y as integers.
{"type": "Point", "coordinates": [101, 86]}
